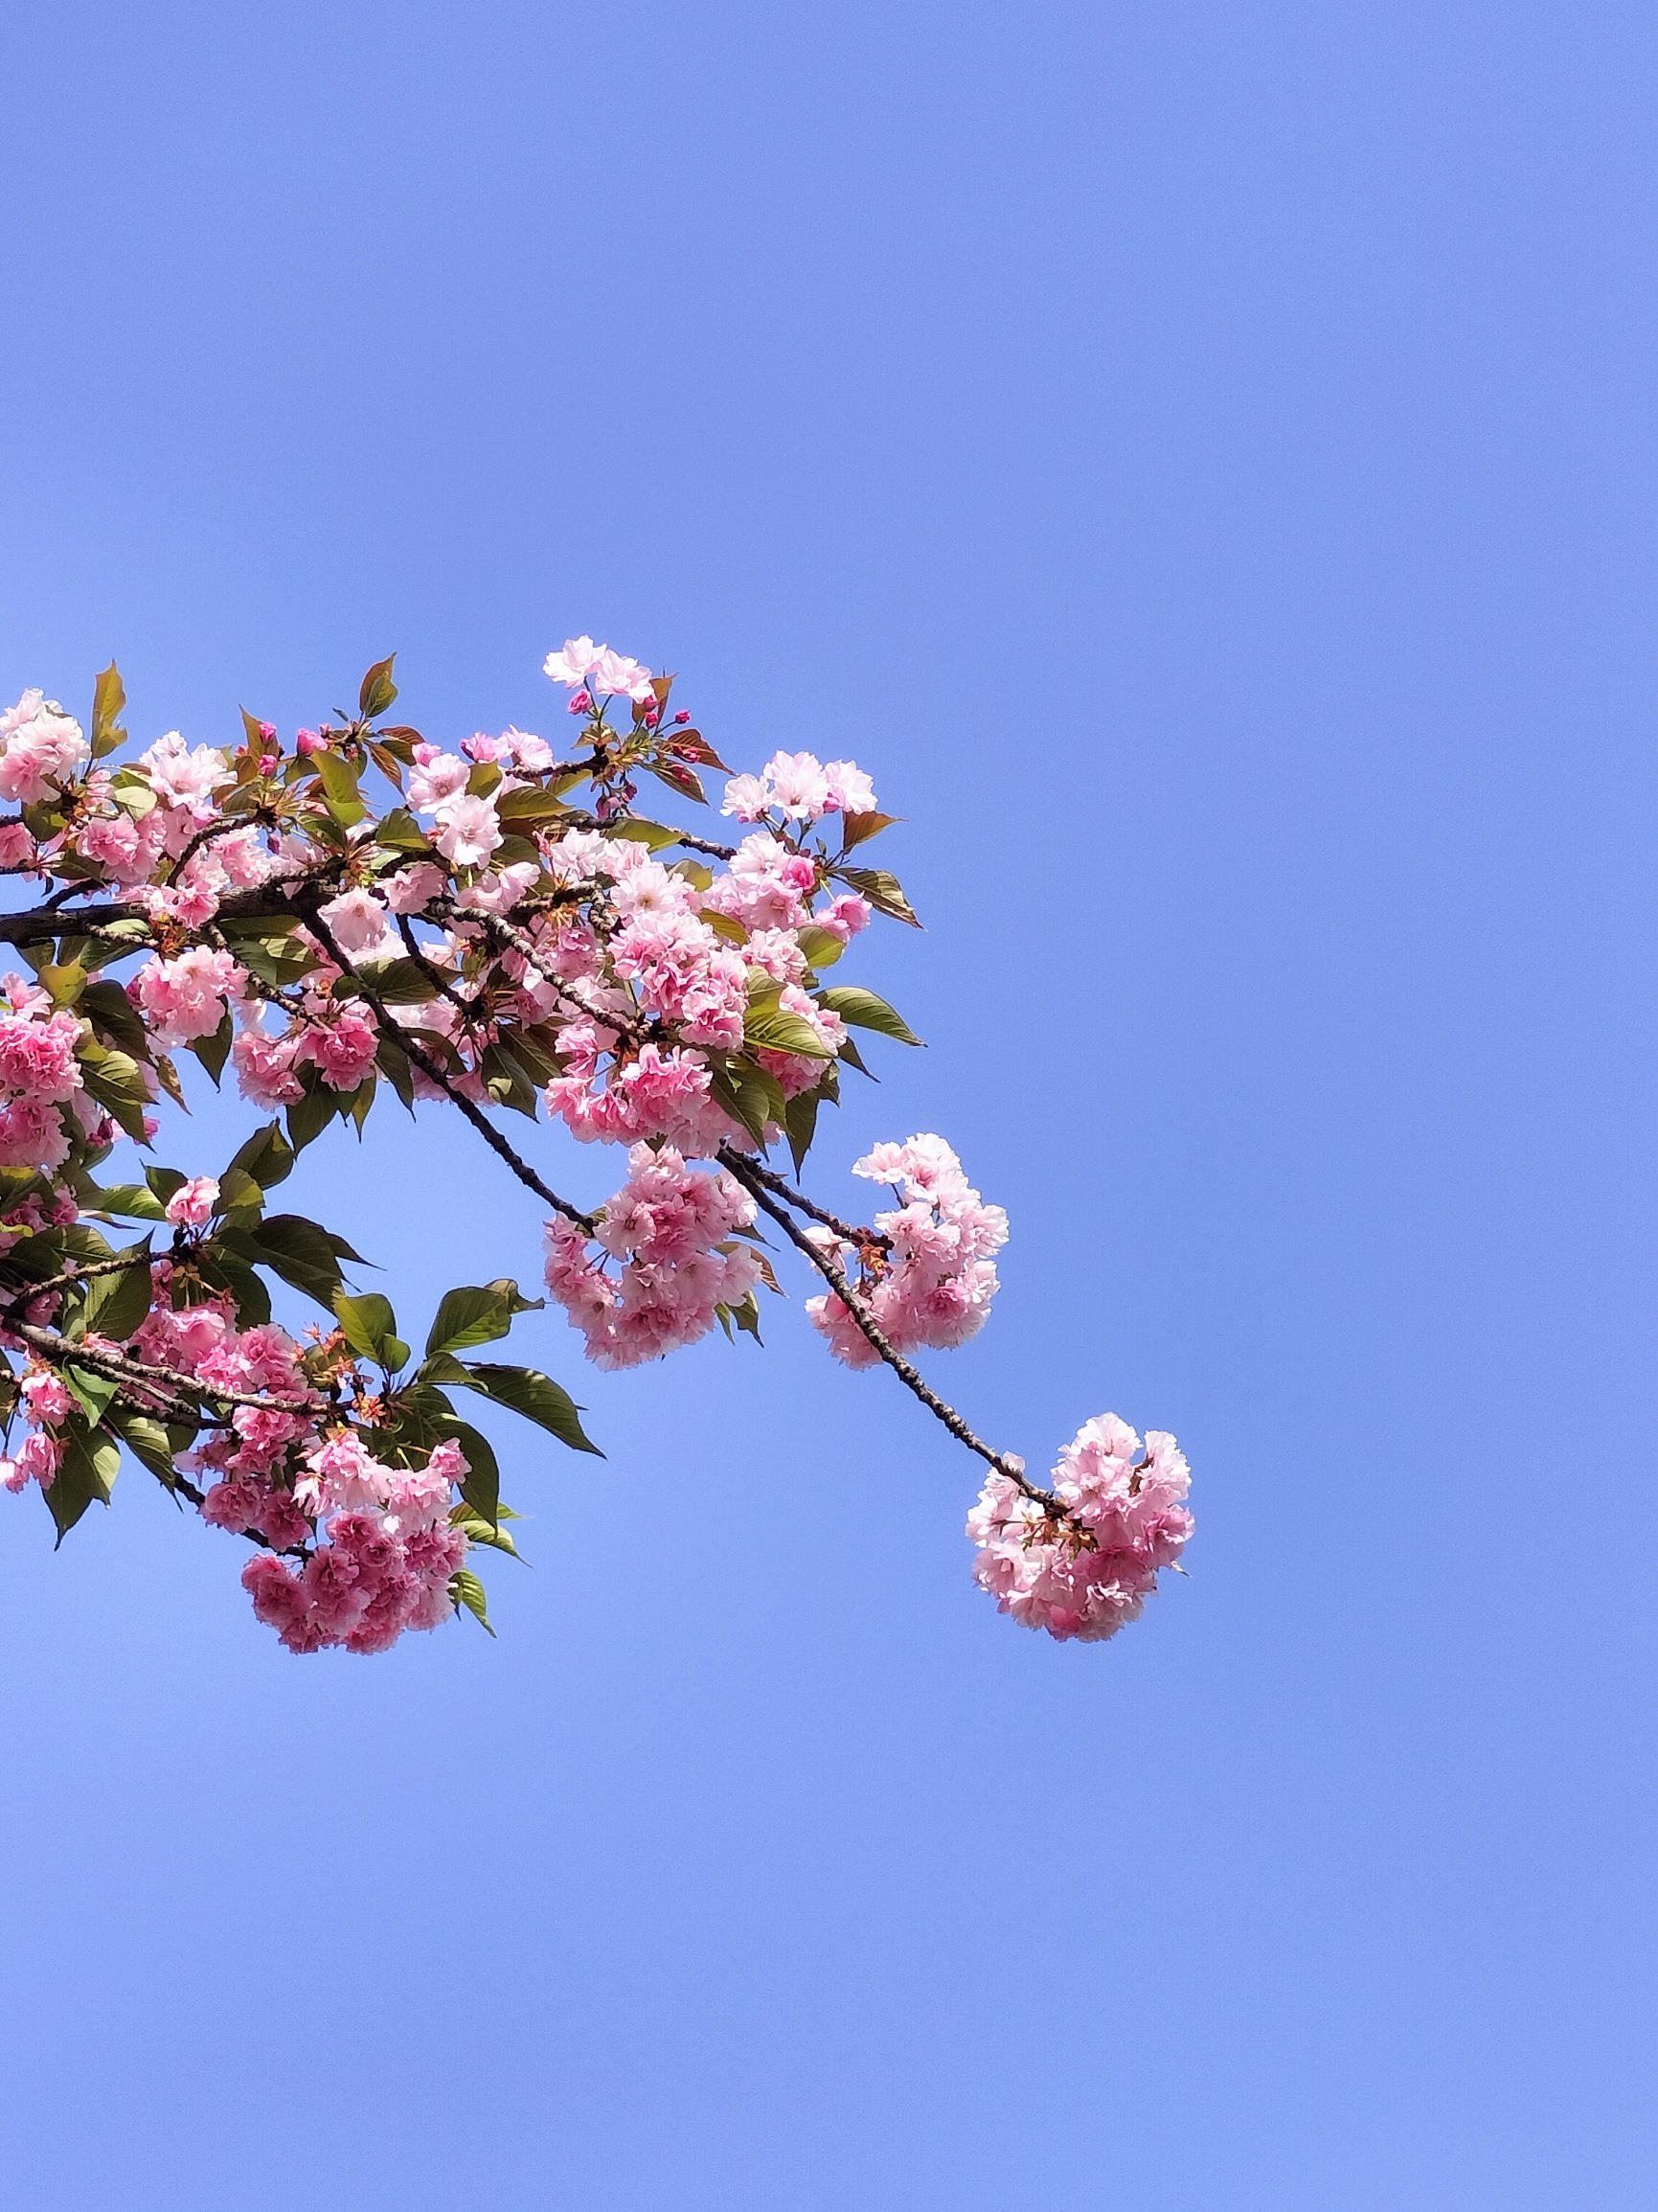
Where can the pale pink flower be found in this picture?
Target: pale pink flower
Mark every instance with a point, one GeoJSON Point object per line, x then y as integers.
{"type": "Point", "coordinates": [747, 798]}
{"type": "Point", "coordinates": [40, 748]}
{"type": "Point", "coordinates": [184, 998]}
{"type": "Point", "coordinates": [442, 777]}
{"type": "Point", "coordinates": [614, 672]}
{"type": "Point", "coordinates": [192, 1203]}
{"type": "Point", "coordinates": [411, 890]}
{"type": "Point", "coordinates": [468, 830]}
{"type": "Point", "coordinates": [180, 777]}
{"type": "Point", "coordinates": [533, 755]}
{"type": "Point", "coordinates": [48, 1397]}
{"type": "Point", "coordinates": [850, 789]}
{"type": "Point", "coordinates": [797, 784]}
{"type": "Point", "coordinates": [357, 920]}
{"type": "Point", "coordinates": [571, 666]}
{"type": "Point", "coordinates": [1125, 1519]}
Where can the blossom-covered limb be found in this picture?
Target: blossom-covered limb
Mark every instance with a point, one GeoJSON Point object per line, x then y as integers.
{"type": "Point", "coordinates": [433, 1072]}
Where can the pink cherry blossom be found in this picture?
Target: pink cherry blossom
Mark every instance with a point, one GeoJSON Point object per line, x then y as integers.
{"type": "Point", "coordinates": [797, 784]}
{"type": "Point", "coordinates": [748, 798]}
{"type": "Point", "coordinates": [192, 1203]}
{"type": "Point", "coordinates": [571, 666]}
{"type": "Point", "coordinates": [180, 777]}
{"type": "Point", "coordinates": [40, 748]}
{"type": "Point", "coordinates": [614, 672]}
{"type": "Point", "coordinates": [850, 789]}
{"type": "Point", "coordinates": [184, 998]}
{"type": "Point", "coordinates": [357, 923]}
{"type": "Point", "coordinates": [468, 830]}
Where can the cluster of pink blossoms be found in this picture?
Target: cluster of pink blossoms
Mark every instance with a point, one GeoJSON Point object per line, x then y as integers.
{"type": "Point", "coordinates": [387, 1559]}
{"type": "Point", "coordinates": [355, 1552]}
{"type": "Point", "coordinates": [42, 750]}
{"type": "Point", "coordinates": [801, 786]}
{"type": "Point", "coordinates": [932, 1282]}
{"type": "Point", "coordinates": [673, 1232]}
{"type": "Point", "coordinates": [39, 1075]}
{"type": "Point", "coordinates": [1088, 1574]}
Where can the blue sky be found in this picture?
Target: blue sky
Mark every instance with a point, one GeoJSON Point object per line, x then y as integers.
{"type": "Point", "coordinates": [1202, 461]}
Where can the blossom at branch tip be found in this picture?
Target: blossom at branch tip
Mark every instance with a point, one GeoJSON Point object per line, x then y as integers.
{"type": "Point", "coordinates": [1087, 1574]}
{"type": "Point", "coordinates": [192, 1203]}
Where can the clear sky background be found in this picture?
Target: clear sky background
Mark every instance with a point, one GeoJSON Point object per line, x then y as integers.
{"type": "Point", "coordinates": [1201, 460]}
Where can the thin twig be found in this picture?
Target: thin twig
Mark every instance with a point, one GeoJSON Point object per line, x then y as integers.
{"type": "Point", "coordinates": [120, 1367]}
{"type": "Point", "coordinates": [879, 1341]}
{"type": "Point", "coordinates": [845, 1230]}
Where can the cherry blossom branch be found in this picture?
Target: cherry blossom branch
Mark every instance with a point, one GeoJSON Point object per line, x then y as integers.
{"type": "Point", "coordinates": [497, 926]}
{"type": "Point", "coordinates": [775, 1183]}
{"type": "Point", "coordinates": [266, 901]}
{"type": "Point", "coordinates": [389, 1028]}
{"type": "Point", "coordinates": [81, 1273]}
{"type": "Point", "coordinates": [434, 975]}
{"type": "Point", "coordinates": [121, 1367]}
{"type": "Point", "coordinates": [879, 1344]}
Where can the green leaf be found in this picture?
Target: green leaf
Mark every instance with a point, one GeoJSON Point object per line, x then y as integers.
{"type": "Point", "coordinates": [800, 1125]}
{"type": "Point", "coordinates": [116, 1306]}
{"type": "Point", "coordinates": [394, 1063]}
{"type": "Point", "coordinates": [772, 1029]}
{"type": "Point", "coordinates": [862, 1008]}
{"type": "Point", "coordinates": [821, 949]}
{"type": "Point", "coordinates": [401, 832]}
{"type": "Point", "coordinates": [506, 1081]}
{"type": "Point", "coordinates": [301, 1252]}
{"type": "Point", "coordinates": [267, 1157]}
{"type": "Point", "coordinates": [467, 1590]}
{"type": "Point", "coordinates": [147, 1441]}
{"type": "Point", "coordinates": [399, 982]}
{"type": "Point", "coordinates": [376, 691]}
{"type": "Point", "coordinates": [369, 1324]}
{"type": "Point", "coordinates": [523, 1390]}
{"type": "Point", "coordinates": [477, 1530]}
{"type": "Point", "coordinates": [113, 1016]}
{"type": "Point", "coordinates": [477, 1313]}
{"type": "Point", "coordinates": [649, 834]}
{"type": "Point", "coordinates": [281, 960]}
{"type": "Point", "coordinates": [133, 1201]}
{"type": "Point", "coordinates": [310, 1115]}
{"type": "Point", "coordinates": [678, 778]}
{"type": "Point", "coordinates": [531, 803]}
{"type": "Point", "coordinates": [883, 892]}
{"type": "Point", "coordinates": [239, 1195]}
{"type": "Point", "coordinates": [116, 1081]}
{"type": "Point", "coordinates": [88, 1470]}
{"type": "Point", "coordinates": [90, 1391]}
{"type": "Point", "coordinates": [482, 1486]}
{"type": "Point", "coordinates": [230, 1274]}
{"type": "Point", "coordinates": [63, 985]}
{"type": "Point", "coordinates": [214, 1051]}
{"type": "Point", "coordinates": [338, 778]}
{"type": "Point", "coordinates": [109, 698]}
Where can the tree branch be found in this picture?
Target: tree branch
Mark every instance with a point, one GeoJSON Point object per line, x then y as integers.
{"type": "Point", "coordinates": [880, 1344]}
{"type": "Point", "coordinates": [774, 1182]}
{"type": "Point", "coordinates": [428, 1066]}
